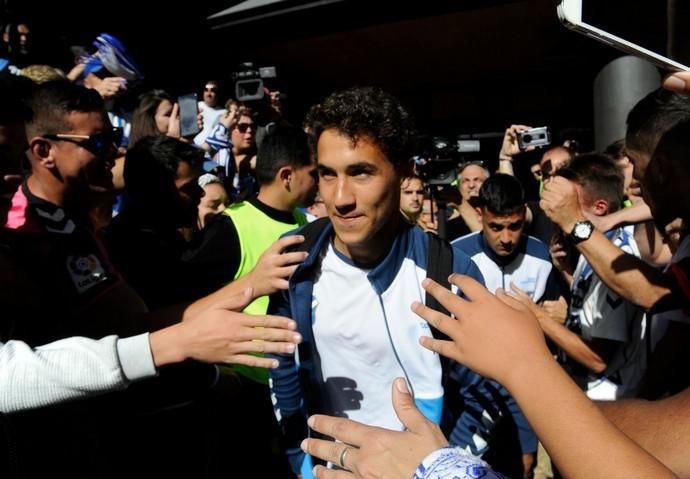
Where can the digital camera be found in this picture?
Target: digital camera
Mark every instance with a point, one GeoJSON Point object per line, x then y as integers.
{"type": "Point", "coordinates": [534, 137]}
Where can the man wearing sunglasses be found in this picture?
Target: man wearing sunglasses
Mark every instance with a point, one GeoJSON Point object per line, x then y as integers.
{"type": "Point", "coordinates": [211, 110]}
{"type": "Point", "coordinates": [56, 282]}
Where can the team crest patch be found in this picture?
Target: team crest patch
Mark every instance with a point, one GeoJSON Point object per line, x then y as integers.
{"type": "Point", "coordinates": [86, 272]}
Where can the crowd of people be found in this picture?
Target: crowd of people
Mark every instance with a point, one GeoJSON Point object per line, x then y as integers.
{"type": "Point", "coordinates": [226, 303]}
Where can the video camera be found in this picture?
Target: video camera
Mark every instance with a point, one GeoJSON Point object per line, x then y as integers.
{"type": "Point", "coordinates": [249, 81]}
{"type": "Point", "coordinates": [438, 164]}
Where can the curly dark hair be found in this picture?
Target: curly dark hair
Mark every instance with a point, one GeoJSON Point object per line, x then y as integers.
{"type": "Point", "coordinates": [365, 112]}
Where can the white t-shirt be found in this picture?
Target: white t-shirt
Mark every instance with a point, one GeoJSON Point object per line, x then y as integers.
{"type": "Point", "coordinates": [211, 117]}
{"type": "Point", "coordinates": [365, 341]}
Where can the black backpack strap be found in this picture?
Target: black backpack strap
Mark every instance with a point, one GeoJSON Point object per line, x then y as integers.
{"type": "Point", "coordinates": [311, 232]}
{"type": "Point", "coordinates": [439, 267]}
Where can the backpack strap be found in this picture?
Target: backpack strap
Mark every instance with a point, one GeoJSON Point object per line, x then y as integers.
{"type": "Point", "coordinates": [311, 232]}
{"type": "Point", "coordinates": [439, 267]}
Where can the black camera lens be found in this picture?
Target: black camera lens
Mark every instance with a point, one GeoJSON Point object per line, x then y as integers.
{"type": "Point", "coordinates": [527, 138]}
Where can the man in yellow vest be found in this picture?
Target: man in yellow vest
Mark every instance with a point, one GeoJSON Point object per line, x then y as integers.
{"type": "Point", "coordinates": [285, 172]}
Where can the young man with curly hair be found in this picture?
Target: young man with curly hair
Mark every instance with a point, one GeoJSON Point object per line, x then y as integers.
{"type": "Point", "coordinates": [351, 297]}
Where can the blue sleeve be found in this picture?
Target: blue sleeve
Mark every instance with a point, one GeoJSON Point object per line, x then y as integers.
{"type": "Point", "coordinates": [463, 264]}
{"type": "Point", "coordinates": [486, 403]}
{"type": "Point", "coordinates": [286, 393]}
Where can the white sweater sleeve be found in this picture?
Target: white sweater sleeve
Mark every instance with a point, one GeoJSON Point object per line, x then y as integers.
{"type": "Point", "coordinates": [70, 368]}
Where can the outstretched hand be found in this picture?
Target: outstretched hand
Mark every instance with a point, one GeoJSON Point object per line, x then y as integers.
{"type": "Point", "coordinates": [221, 334]}
{"type": "Point", "coordinates": [275, 266]}
{"type": "Point", "coordinates": [374, 452]}
{"type": "Point", "coordinates": [494, 335]}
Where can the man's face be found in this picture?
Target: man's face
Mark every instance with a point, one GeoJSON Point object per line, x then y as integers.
{"type": "Point", "coordinates": [76, 164]}
{"type": "Point", "coordinates": [502, 232]}
{"type": "Point", "coordinates": [211, 95]}
{"type": "Point", "coordinates": [556, 158]}
{"type": "Point", "coordinates": [243, 134]}
{"type": "Point", "coordinates": [640, 160]}
{"type": "Point", "coordinates": [214, 202]}
{"type": "Point", "coordinates": [190, 192]}
{"type": "Point", "coordinates": [12, 147]}
{"type": "Point", "coordinates": [303, 184]}
{"type": "Point", "coordinates": [361, 190]}
{"type": "Point", "coordinates": [471, 180]}
{"type": "Point", "coordinates": [411, 196]}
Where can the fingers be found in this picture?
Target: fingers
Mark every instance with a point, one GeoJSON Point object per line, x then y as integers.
{"type": "Point", "coordinates": [511, 301]}
{"type": "Point", "coordinates": [449, 349]}
{"type": "Point", "coordinates": [321, 472]}
{"type": "Point", "coordinates": [294, 257]}
{"type": "Point", "coordinates": [518, 291]}
{"type": "Point", "coordinates": [275, 334]}
{"type": "Point", "coordinates": [330, 451]}
{"type": "Point", "coordinates": [678, 82]}
{"type": "Point", "coordinates": [263, 347]}
{"type": "Point", "coordinates": [438, 320]}
{"type": "Point", "coordinates": [405, 407]}
{"type": "Point", "coordinates": [175, 113]}
{"type": "Point", "coordinates": [470, 287]}
{"type": "Point", "coordinates": [252, 361]}
{"type": "Point", "coordinates": [287, 241]}
{"type": "Point", "coordinates": [237, 302]}
{"type": "Point", "coordinates": [268, 321]}
{"type": "Point", "coordinates": [451, 301]}
{"type": "Point", "coordinates": [344, 430]}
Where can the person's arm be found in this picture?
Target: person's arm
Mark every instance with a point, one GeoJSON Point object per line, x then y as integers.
{"type": "Point", "coordinates": [268, 276]}
{"type": "Point", "coordinates": [421, 452]}
{"type": "Point", "coordinates": [510, 148]}
{"type": "Point", "coordinates": [498, 337]}
{"type": "Point", "coordinates": [653, 248]}
{"type": "Point", "coordinates": [79, 367]}
{"type": "Point", "coordinates": [637, 213]}
{"type": "Point", "coordinates": [573, 345]}
{"type": "Point", "coordinates": [69, 369]}
{"type": "Point", "coordinates": [625, 274]}
{"type": "Point", "coordinates": [660, 427]}
{"type": "Point", "coordinates": [288, 396]}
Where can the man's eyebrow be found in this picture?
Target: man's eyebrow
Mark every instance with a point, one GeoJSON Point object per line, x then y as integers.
{"type": "Point", "coordinates": [362, 165]}
{"type": "Point", "coordinates": [321, 169]}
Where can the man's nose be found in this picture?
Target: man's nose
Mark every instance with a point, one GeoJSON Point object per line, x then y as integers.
{"type": "Point", "coordinates": [344, 197]}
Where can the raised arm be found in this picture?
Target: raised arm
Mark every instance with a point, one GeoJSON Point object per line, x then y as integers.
{"type": "Point", "coordinates": [499, 338]}
{"type": "Point", "coordinates": [625, 274]}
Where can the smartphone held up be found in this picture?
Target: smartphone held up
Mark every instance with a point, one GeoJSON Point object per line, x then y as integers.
{"type": "Point", "coordinates": [189, 112]}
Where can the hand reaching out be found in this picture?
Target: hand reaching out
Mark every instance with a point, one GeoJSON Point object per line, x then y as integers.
{"type": "Point", "coordinates": [221, 334]}
{"type": "Point", "coordinates": [374, 452]}
{"type": "Point", "coordinates": [275, 266]}
{"type": "Point", "coordinates": [494, 335]}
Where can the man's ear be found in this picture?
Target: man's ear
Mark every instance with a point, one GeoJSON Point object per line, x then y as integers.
{"type": "Point", "coordinates": [601, 207]}
{"type": "Point", "coordinates": [42, 150]}
{"type": "Point", "coordinates": [479, 211]}
{"type": "Point", "coordinates": [285, 175]}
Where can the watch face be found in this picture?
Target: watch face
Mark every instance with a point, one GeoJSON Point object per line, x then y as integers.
{"type": "Point", "coordinates": [582, 230]}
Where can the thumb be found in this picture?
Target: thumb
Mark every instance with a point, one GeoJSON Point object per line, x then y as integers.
{"type": "Point", "coordinates": [405, 408]}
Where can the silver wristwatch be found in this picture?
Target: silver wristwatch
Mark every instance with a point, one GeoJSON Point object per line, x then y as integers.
{"type": "Point", "coordinates": [581, 231]}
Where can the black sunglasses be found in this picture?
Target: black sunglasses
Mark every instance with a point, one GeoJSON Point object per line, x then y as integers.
{"type": "Point", "coordinates": [243, 127]}
{"type": "Point", "coordinates": [98, 143]}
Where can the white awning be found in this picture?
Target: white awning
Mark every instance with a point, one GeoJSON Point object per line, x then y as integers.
{"type": "Point", "coordinates": [251, 10]}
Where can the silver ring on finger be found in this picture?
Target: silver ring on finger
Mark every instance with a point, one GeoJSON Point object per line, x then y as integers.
{"type": "Point", "coordinates": [341, 458]}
